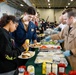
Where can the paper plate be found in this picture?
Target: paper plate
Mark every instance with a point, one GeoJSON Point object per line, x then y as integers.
{"type": "Point", "coordinates": [32, 53]}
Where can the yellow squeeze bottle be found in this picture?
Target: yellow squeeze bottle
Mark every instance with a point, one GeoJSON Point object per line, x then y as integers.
{"type": "Point", "coordinates": [27, 43]}
{"type": "Point", "coordinates": [44, 68]}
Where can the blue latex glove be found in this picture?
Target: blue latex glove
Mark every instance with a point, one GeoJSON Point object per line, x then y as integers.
{"type": "Point", "coordinates": [67, 53]}
{"type": "Point", "coordinates": [55, 29]}
{"type": "Point", "coordinates": [48, 38]}
{"type": "Point", "coordinates": [60, 41]}
{"type": "Point", "coordinates": [55, 32]}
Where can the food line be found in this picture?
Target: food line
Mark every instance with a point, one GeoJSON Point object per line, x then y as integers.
{"type": "Point", "coordinates": [45, 52]}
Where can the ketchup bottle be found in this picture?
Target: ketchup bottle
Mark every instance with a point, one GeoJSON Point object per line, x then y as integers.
{"type": "Point", "coordinates": [51, 73]}
{"type": "Point", "coordinates": [73, 72]}
{"type": "Point", "coordinates": [64, 74]}
{"type": "Point", "coordinates": [26, 73]}
{"type": "Point", "coordinates": [61, 68]}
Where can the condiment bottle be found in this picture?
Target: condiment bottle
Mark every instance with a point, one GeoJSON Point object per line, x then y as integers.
{"type": "Point", "coordinates": [72, 72]}
{"type": "Point", "coordinates": [51, 73]}
{"type": "Point", "coordinates": [48, 68]}
{"type": "Point", "coordinates": [26, 73]}
{"type": "Point", "coordinates": [31, 69]}
{"type": "Point", "coordinates": [64, 74]}
{"type": "Point", "coordinates": [54, 68]}
{"type": "Point", "coordinates": [27, 43]}
{"type": "Point", "coordinates": [44, 68]}
{"type": "Point", "coordinates": [61, 68]}
{"type": "Point", "coordinates": [21, 70]}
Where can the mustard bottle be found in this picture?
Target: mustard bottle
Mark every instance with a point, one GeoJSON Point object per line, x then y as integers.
{"type": "Point", "coordinates": [44, 68]}
{"type": "Point", "coordinates": [27, 43]}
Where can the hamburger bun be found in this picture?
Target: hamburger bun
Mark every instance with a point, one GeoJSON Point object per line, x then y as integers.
{"type": "Point", "coordinates": [26, 55]}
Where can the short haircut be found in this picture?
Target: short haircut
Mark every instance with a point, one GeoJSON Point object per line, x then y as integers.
{"type": "Point", "coordinates": [31, 10]}
{"type": "Point", "coordinates": [6, 19]}
{"type": "Point", "coordinates": [70, 12]}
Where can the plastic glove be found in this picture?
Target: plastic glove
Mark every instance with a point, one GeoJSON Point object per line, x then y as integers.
{"type": "Point", "coordinates": [60, 41]}
{"type": "Point", "coordinates": [48, 38]}
{"type": "Point", "coordinates": [67, 53]}
{"type": "Point", "coordinates": [55, 32]}
{"type": "Point", "coordinates": [55, 29]}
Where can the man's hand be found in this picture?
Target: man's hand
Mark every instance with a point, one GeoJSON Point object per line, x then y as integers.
{"type": "Point", "coordinates": [67, 53]}
{"type": "Point", "coordinates": [48, 38]}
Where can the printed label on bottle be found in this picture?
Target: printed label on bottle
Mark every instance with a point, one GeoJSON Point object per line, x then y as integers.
{"type": "Point", "coordinates": [31, 70]}
{"type": "Point", "coordinates": [54, 68]}
{"type": "Point", "coordinates": [61, 69]}
{"type": "Point", "coordinates": [48, 68]}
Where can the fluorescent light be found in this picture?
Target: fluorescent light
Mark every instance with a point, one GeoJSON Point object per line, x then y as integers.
{"type": "Point", "coordinates": [48, 0]}
{"type": "Point", "coordinates": [71, 0]}
{"type": "Point", "coordinates": [21, 5]}
{"type": "Point", "coordinates": [66, 6]}
{"type": "Point", "coordinates": [49, 4]}
{"type": "Point", "coordinates": [68, 3]}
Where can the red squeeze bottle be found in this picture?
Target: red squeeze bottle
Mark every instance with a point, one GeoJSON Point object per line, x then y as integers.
{"type": "Point", "coordinates": [61, 68]}
{"type": "Point", "coordinates": [51, 73]}
{"type": "Point", "coordinates": [64, 74]}
{"type": "Point", "coordinates": [26, 73]}
{"type": "Point", "coordinates": [73, 72]}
